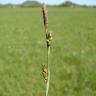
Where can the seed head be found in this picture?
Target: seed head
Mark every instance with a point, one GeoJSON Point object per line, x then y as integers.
{"type": "Point", "coordinates": [45, 15]}
{"type": "Point", "coordinates": [45, 73]}
{"type": "Point", "coordinates": [49, 38]}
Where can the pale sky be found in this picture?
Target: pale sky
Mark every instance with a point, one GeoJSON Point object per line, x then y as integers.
{"type": "Point", "coordinates": [88, 2]}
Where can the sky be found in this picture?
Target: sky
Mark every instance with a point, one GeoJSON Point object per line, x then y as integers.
{"type": "Point", "coordinates": [88, 2]}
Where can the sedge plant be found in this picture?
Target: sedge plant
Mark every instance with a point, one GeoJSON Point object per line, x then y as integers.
{"type": "Point", "coordinates": [48, 35]}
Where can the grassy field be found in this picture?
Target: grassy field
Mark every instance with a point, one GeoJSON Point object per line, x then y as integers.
{"type": "Point", "coordinates": [23, 51]}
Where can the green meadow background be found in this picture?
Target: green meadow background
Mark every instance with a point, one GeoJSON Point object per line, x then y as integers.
{"type": "Point", "coordinates": [23, 51]}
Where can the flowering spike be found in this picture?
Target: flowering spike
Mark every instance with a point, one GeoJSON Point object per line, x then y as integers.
{"type": "Point", "coordinates": [45, 15]}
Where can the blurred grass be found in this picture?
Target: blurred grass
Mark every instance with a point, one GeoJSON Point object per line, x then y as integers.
{"type": "Point", "coordinates": [23, 51]}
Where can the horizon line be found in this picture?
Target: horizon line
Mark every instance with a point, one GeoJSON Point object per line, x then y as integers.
{"type": "Point", "coordinates": [16, 3]}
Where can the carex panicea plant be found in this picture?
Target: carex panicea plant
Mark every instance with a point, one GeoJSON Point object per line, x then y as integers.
{"type": "Point", "coordinates": [48, 35]}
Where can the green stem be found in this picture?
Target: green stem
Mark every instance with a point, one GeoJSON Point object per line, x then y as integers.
{"type": "Point", "coordinates": [48, 62]}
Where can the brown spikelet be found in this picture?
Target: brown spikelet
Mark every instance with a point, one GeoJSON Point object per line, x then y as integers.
{"type": "Point", "coordinates": [45, 15]}
{"type": "Point", "coordinates": [49, 39]}
{"type": "Point", "coordinates": [45, 73]}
